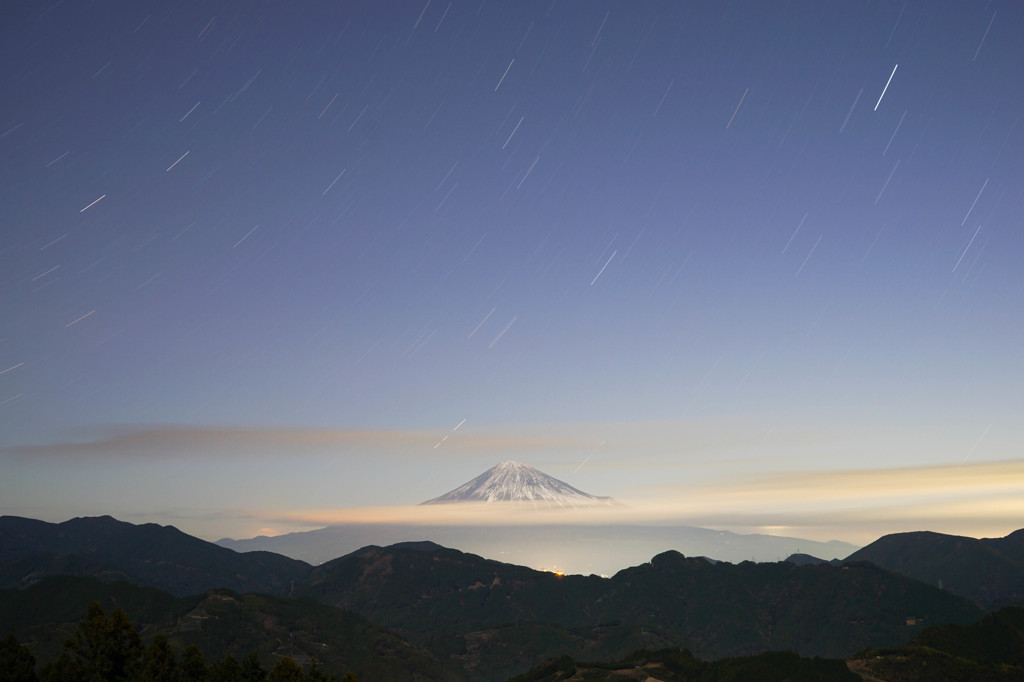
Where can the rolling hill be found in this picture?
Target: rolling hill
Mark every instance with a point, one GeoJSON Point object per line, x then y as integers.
{"type": "Point", "coordinates": [148, 554]}
{"type": "Point", "coordinates": [221, 622]}
{"type": "Point", "coordinates": [495, 618]}
{"type": "Point", "coordinates": [988, 571]}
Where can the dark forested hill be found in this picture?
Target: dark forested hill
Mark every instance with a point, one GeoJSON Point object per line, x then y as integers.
{"type": "Point", "coordinates": [990, 650]}
{"type": "Point", "coordinates": [222, 622]}
{"type": "Point", "coordinates": [678, 665]}
{"type": "Point", "coordinates": [487, 614]}
{"type": "Point", "coordinates": [988, 571]}
{"type": "Point", "coordinates": [148, 554]}
{"type": "Point", "coordinates": [489, 619]}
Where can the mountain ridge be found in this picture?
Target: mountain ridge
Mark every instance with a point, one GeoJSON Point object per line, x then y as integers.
{"type": "Point", "coordinates": [502, 618]}
{"type": "Point", "coordinates": [573, 547]}
{"type": "Point", "coordinates": [495, 619]}
{"type": "Point", "coordinates": [989, 571]}
{"type": "Point", "coordinates": [149, 554]}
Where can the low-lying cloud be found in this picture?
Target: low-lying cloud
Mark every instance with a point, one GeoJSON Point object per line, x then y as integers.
{"type": "Point", "coordinates": [985, 498]}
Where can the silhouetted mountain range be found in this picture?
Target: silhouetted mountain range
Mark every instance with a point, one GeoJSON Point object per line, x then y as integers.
{"type": "Point", "coordinates": [482, 618]}
{"type": "Point", "coordinates": [583, 548]}
{"type": "Point", "coordinates": [148, 554]}
{"type": "Point", "coordinates": [488, 613]}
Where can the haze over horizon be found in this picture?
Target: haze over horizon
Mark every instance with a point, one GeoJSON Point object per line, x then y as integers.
{"type": "Point", "coordinates": [745, 265]}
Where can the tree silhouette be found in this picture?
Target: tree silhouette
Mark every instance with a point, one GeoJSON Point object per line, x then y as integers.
{"type": "Point", "coordinates": [17, 664]}
{"type": "Point", "coordinates": [286, 670]}
{"type": "Point", "coordinates": [193, 666]}
{"type": "Point", "coordinates": [104, 648]}
{"type": "Point", "coordinates": [252, 671]}
{"type": "Point", "coordinates": [159, 663]}
{"type": "Point", "coordinates": [228, 670]}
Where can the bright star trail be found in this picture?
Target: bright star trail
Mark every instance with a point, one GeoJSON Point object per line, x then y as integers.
{"type": "Point", "coordinates": [886, 87]}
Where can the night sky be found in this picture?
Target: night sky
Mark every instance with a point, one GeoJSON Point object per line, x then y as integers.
{"type": "Point", "coordinates": [751, 265]}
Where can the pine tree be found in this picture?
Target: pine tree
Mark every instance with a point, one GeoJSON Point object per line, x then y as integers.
{"type": "Point", "coordinates": [193, 666]}
{"type": "Point", "coordinates": [104, 649]}
{"type": "Point", "coordinates": [286, 670]}
{"type": "Point", "coordinates": [17, 664]}
{"type": "Point", "coordinates": [315, 674]}
{"type": "Point", "coordinates": [252, 671]}
{"type": "Point", "coordinates": [228, 670]}
{"type": "Point", "coordinates": [159, 663]}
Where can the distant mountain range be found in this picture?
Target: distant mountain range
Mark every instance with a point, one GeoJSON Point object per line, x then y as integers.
{"type": "Point", "coordinates": [572, 548]}
{"type": "Point", "coordinates": [517, 482]}
{"type": "Point", "coordinates": [583, 547]}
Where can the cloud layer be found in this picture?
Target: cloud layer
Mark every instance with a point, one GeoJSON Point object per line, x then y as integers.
{"type": "Point", "coordinates": [721, 473]}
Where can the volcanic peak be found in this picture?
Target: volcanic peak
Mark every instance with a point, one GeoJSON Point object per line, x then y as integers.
{"type": "Point", "coordinates": [517, 482]}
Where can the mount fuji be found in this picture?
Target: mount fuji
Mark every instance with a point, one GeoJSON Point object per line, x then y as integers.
{"type": "Point", "coordinates": [517, 482]}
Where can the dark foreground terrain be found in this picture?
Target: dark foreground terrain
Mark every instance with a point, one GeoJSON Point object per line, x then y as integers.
{"type": "Point", "coordinates": [420, 611]}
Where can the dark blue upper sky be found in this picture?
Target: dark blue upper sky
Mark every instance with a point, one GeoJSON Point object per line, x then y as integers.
{"type": "Point", "coordinates": [401, 215]}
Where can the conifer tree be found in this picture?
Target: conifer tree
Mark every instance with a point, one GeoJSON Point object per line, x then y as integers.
{"type": "Point", "coordinates": [252, 671]}
{"type": "Point", "coordinates": [159, 663]}
{"type": "Point", "coordinates": [228, 670]}
{"type": "Point", "coordinates": [193, 666]}
{"type": "Point", "coordinates": [17, 664]}
{"type": "Point", "coordinates": [286, 670]}
{"type": "Point", "coordinates": [104, 649]}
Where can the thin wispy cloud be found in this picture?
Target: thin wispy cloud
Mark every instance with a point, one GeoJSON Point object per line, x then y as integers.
{"type": "Point", "coordinates": [631, 445]}
{"type": "Point", "coordinates": [241, 441]}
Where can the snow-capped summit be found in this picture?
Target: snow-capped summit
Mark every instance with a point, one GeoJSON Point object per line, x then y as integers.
{"type": "Point", "coordinates": [516, 482]}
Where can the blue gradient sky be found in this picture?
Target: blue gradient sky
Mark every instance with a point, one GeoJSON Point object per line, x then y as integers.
{"type": "Point", "coordinates": [256, 261]}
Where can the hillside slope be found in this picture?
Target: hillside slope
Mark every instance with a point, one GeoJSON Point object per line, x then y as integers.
{"type": "Point", "coordinates": [222, 622]}
{"type": "Point", "coordinates": [499, 618]}
{"type": "Point", "coordinates": [148, 554]}
{"type": "Point", "coordinates": [987, 571]}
